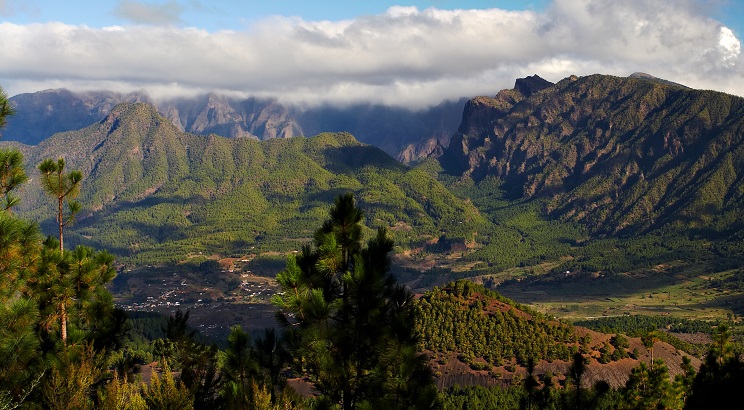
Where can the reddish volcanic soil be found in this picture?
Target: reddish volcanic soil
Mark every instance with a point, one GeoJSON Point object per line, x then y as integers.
{"type": "Point", "coordinates": [615, 373]}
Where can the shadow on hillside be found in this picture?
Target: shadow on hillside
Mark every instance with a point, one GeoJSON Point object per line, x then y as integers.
{"type": "Point", "coordinates": [735, 303]}
{"type": "Point", "coordinates": [324, 198]}
{"type": "Point", "coordinates": [350, 159]}
{"type": "Point", "coordinates": [563, 287]}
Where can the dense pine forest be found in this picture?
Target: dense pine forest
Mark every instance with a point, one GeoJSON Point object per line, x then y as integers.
{"type": "Point", "coordinates": [350, 334]}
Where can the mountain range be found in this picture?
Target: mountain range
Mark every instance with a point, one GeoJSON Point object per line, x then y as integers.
{"type": "Point", "coordinates": [528, 175]}
{"type": "Point", "coordinates": [404, 134]}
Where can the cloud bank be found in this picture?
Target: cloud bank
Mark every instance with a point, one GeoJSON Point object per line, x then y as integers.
{"type": "Point", "coordinates": [405, 57]}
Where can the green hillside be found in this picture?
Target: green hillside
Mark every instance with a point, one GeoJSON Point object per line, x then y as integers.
{"type": "Point", "coordinates": [611, 179]}
{"type": "Point", "coordinates": [475, 322]}
{"type": "Point", "coordinates": [153, 194]}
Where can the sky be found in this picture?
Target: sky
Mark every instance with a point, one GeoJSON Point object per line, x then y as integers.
{"type": "Point", "coordinates": [406, 53]}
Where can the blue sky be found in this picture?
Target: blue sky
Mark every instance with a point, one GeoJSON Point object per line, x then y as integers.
{"type": "Point", "coordinates": [237, 14]}
{"type": "Point", "coordinates": [413, 54]}
{"type": "Point", "coordinates": [219, 14]}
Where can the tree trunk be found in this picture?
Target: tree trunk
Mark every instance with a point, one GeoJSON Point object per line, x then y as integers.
{"type": "Point", "coordinates": [59, 219]}
{"type": "Point", "coordinates": [348, 402]}
{"type": "Point", "coordinates": [63, 319]}
{"type": "Point", "coordinates": [62, 309]}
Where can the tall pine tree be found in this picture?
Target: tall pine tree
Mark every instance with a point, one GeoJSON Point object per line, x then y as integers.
{"type": "Point", "coordinates": [63, 186]}
{"type": "Point", "coordinates": [350, 325]}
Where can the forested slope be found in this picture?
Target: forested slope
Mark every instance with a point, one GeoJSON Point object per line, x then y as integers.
{"type": "Point", "coordinates": [476, 336]}
{"type": "Point", "coordinates": [152, 193]}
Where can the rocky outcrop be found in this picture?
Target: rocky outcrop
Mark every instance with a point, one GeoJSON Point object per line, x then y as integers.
{"type": "Point", "coordinates": [432, 147]}
{"type": "Point", "coordinates": [531, 84]}
{"type": "Point", "coordinates": [214, 114]}
{"type": "Point", "coordinates": [478, 119]}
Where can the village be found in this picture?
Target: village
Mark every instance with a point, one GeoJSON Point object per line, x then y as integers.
{"type": "Point", "coordinates": [232, 295]}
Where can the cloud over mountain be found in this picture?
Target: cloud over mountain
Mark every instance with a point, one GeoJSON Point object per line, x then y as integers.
{"type": "Point", "coordinates": [404, 56]}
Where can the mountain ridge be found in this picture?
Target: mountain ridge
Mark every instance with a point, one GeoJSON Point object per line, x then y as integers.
{"type": "Point", "coordinates": [404, 134]}
{"type": "Point", "coordinates": [606, 151]}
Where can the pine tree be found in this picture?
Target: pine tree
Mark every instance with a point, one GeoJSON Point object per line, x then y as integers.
{"type": "Point", "coordinates": [21, 367]}
{"type": "Point", "coordinates": [271, 358]}
{"type": "Point", "coordinates": [19, 252]}
{"type": "Point", "coordinates": [73, 283]}
{"type": "Point", "coordinates": [649, 387]}
{"type": "Point", "coordinates": [19, 241]}
{"type": "Point", "coordinates": [197, 362]}
{"type": "Point", "coordinates": [648, 341]}
{"type": "Point", "coordinates": [576, 372]}
{"type": "Point", "coordinates": [6, 108]}
{"type": "Point", "coordinates": [350, 325]}
{"type": "Point", "coordinates": [530, 385]}
{"type": "Point", "coordinates": [63, 187]}
{"type": "Point", "coordinates": [238, 368]}
{"type": "Point", "coordinates": [12, 175]}
{"type": "Point", "coordinates": [39, 284]}
{"type": "Point", "coordinates": [721, 376]}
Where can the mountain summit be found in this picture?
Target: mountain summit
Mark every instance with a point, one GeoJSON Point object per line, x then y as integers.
{"type": "Point", "coordinates": [530, 85]}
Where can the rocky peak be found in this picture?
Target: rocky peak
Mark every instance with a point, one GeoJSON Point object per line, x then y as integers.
{"type": "Point", "coordinates": [531, 84]}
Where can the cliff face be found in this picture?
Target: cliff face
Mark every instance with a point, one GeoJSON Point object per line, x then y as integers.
{"type": "Point", "coordinates": [467, 148]}
{"type": "Point", "coordinates": [618, 154]}
{"type": "Point", "coordinates": [214, 114]}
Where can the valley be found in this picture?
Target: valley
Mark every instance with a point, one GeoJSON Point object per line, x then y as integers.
{"type": "Point", "coordinates": [681, 290]}
{"type": "Point", "coordinates": [192, 195]}
{"type": "Point", "coordinates": [594, 200]}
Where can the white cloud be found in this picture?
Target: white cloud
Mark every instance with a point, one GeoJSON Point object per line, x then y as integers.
{"type": "Point", "coordinates": [729, 47]}
{"type": "Point", "coordinates": [404, 57]}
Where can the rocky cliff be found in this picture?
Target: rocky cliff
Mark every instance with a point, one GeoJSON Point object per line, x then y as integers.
{"type": "Point", "coordinates": [617, 154]}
